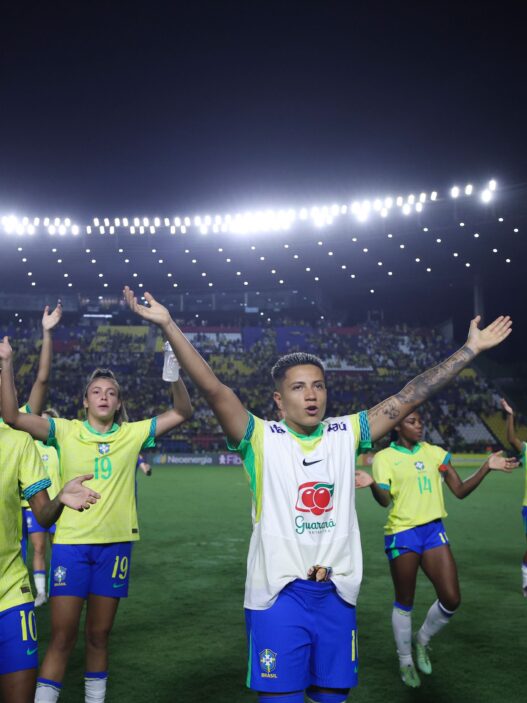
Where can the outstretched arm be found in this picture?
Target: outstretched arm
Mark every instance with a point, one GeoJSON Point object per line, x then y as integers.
{"type": "Point", "coordinates": [386, 415]}
{"type": "Point", "coordinates": [35, 425]}
{"type": "Point", "coordinates": [512, 437]}
{"type": "Point", "coordinates": [73, 494]}
{"type": "Point", "coordinates": [225, 404]}
{"type": "Point", "coordinates": [495, 462]}
{"type": "Point", "coordinates": [181, 411]}
{"type": "Point", "coordinates": [363, 479]}
{"type": "Point", "coordinates": [39, 390]}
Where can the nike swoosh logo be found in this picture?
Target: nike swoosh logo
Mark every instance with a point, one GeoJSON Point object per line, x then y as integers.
{"type": "Point", "coordinates": [310, 463]}
{"type": "Point", "coordinates": [29, 652]}
{"type": "Point", "coordinates": [119, 585]}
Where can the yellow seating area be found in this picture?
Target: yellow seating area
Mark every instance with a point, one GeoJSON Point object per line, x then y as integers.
{"type": "Point", "coordinates": [496, 425]}
{"type": "Point", "coordinates": [133, 337]}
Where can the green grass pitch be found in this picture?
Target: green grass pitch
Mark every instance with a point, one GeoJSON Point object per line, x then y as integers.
{"type": "Point", "coordinates": [180, 636]}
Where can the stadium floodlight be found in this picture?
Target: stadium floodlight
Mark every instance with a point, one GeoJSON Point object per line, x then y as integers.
{"type": "Point", "coordinates": [399, 201]}
{"type": "Point", "coordinates": [492, 184]}
{"type": "Point", "coordinates": [75, 230]}
{"type": "Point", "coordinates": [422, 198]}
{"type": "Point", "coordinates": [96, 221]}
{"type": "Point", "coordinates": [433, 195]}
{"type": "Point", "coordinates": [454, 192]}
{"type": "Point", "coordinates": [486, 196]}
{"type": "Point", "coordinates": [88, 229]}
{"type": "Point", "coordinates": [125, 222]}
{"type": "Point", "coordinates": [411, 199]}
{"type": "Point", "coordinates": [136, 222]}
{"type": "Point", "coordinates": [157, 222]}
{"type": "Point", "coordinates": [146, 222]}
{"type": "Point", "coordinates": [407, 209]}
{"type": "Point", "coordinates": [106, 221]}
{"type": "Point", "coordinates": [419, 207]}
{"type": "Point", "coordinates": [469, 188]}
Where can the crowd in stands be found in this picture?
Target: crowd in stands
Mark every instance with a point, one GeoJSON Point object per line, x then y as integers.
{"type": "Point", "coordinates": [369, 362]}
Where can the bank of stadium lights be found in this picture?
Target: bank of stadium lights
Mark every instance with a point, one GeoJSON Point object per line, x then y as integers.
{"type": "Point", "coordinates": [268, 220]}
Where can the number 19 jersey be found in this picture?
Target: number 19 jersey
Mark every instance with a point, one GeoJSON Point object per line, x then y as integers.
{"type": "Point", "coordinates": [111, 458]}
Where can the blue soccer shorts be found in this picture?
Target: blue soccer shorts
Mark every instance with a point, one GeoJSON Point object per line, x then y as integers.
{"type": "Point", "coordinates": [524, 518]}
{"type": "Point", "coordinates": [96, 569]}
{"type": "Point", "coordinates": [18, 639]}
{"type": "Point", "coordinates": [33, 525]}
{"type": "Point", "coordinates": [308, 637]}
{"type": "Point", "coordinates": [417, 539]}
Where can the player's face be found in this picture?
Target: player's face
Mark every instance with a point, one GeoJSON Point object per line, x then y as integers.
{"type": "Point", "coordinates": [302, 397]}
{"type": "Point", "coordinates": [102, 400]}
{"type": "Point", "coordinates": [411, 428]}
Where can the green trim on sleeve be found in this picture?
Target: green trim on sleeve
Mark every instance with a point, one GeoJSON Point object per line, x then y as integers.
{"type": "Point", "coordinates": [51, 441]}
{"type": "Point", "coordinates": [384, 486]}
{"type": "Point", "coordinates": [246, 437]}
{"type": "Point", "coordinates": [150, 441]}
{"type": "Point", "coordinates": [35, 488]}
{"type": "Point", "coordinates": [365, 443]}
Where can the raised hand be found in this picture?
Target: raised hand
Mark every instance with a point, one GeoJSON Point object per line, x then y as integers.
{"type": "Point", "coordinates": [497, 462]}
{"type": "Point", "coordinates": [77, 496]}
{"type": "Point", "coordinates": [6, 352]}
{"type": "Point", "coordinates": [505, 406]}
{"type": "Point", "coordinates": [494, 334]}
{"type": "Point", "coordinates": [51, 319]}
{"type": "Point", "coordinates": [362, 479]}
{"type": "Point", "coordinates": [155, 312]}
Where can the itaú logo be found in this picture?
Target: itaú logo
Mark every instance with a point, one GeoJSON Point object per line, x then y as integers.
{"type": "Point", "coordinates": [315, 497]}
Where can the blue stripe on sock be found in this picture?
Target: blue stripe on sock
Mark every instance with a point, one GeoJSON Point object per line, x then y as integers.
{"type": "Point", "coordinates": [96, 675]}
{"type": "Point", "coordinates": [406, 608]}
{"type": "Point", "coordinates": [49, 682]}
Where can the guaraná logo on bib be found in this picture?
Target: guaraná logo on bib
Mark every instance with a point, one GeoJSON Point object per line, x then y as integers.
{"type": "Point", "coordinates": [315, 497]}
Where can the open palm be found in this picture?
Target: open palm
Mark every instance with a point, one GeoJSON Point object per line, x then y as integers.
{"type": "Point", "coordinates": [51, 319]}
{"type": "Point", "coordinates": [6, 352]}
{"type": "Point", "coordinates": [492, 335]}
{"type": "Point", "coordinates": [154, 312]}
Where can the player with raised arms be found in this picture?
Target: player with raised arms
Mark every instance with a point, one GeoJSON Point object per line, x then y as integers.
{"type": "Point", "coordinates": [91, 553]}
{"type": "Point", "coordinates": [301, 629]}
{"type": "Point", "coordinates": [22, 472]}
{"type": "Point", "coordinates": [410, 474]}
{"type": "Point", "coordinates": [35, 402]}
{"type": "Point", "coordinates": [521, 448]}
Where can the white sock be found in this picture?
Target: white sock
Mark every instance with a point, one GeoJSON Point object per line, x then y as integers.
{"type": "Point", "coordinates": [524, 575]}
{"type": "Point", "coordinates": [402, 632]}
{"type": "Point", "coordinates": [47, 692]}
{"type": "Point", "coordinates": [95, 687]}
{"type": "Point", "coordinates": [436, 619]}
{"type": "Point", "coordinates": [40, 581]}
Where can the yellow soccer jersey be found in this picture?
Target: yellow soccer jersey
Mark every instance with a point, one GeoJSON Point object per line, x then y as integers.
{"type": "Point", "coordinates": [524, 459]}
{"type": "Point", "coordinates": [415, 484]}
{"type": "Point", "coordinates": [24, 409]}
{"type": "Point", "coordinates": [50, 461]}
{"type": "Point", "coordinates": [111, 457]}
{"type": "Point", "coordinates": [21, 472]}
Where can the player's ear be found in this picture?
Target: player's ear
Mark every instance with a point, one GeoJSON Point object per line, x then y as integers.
{"type": "Point", "coordinates": [85, 403]}
{"type": "Point", "coordinates": [277, 397]}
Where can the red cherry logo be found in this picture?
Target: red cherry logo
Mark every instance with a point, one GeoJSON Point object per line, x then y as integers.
{"type": "Point", "coordinates": [322, 498]}
{"type": "Point", "coordinates": [308, 498]}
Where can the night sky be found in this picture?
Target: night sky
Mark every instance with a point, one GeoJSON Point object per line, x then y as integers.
{"type": "Point", "coordinates": [147, 106]}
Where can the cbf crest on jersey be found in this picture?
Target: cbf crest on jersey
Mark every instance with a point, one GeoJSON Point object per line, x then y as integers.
{"type": "Point", "coordinates": [104, 448]}
{"type": "Point", "coordinates": [267, 660]}
{"type": "Point", "coordinates": [419, 465]}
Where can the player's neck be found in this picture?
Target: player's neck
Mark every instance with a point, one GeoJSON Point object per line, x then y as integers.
{"type": "Point", "coordinates": [300, 429]}
{"type": "Point", "coordinates": [406, 443]}
{"type": "Point", "coordinates": [101, 426]}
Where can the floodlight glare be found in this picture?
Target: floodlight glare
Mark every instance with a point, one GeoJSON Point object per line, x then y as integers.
{"type": "Point", "coordinates": [454, 192]}
{"type": "Point", "coordinates": [486, 195]}
{"type": "Point", "coordinates": [492, 185]}
{"type": "Point", "coordinates": [469, 189]}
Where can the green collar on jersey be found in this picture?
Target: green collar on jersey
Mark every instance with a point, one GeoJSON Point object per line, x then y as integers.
{"type": "Point", "coordinates": [405, 450]}
{"type": "Point", "coordinates": [317, 433]}
{"type": "Point", "coordinates": [113, 429]}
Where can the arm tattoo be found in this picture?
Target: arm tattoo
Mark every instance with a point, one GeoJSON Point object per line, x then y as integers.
{"type": "Point", "coordinates": [429, 382]}
{"type": "Point", "coordinates": [423, 386]}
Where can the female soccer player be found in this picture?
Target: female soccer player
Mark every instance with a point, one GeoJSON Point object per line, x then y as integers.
{"type": "Point", "coordinates": [410, 473]}
{"type": "Point", "coordinates": [22, 472]}
{"type": "Point", "coordinates": [301, 632]}
{"type": "Point", "coordinates": [521, 448]}
{"type": "Point", "coordinates": [91, 556]}
{"type": "Point", "coordinates": [37, 533]}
